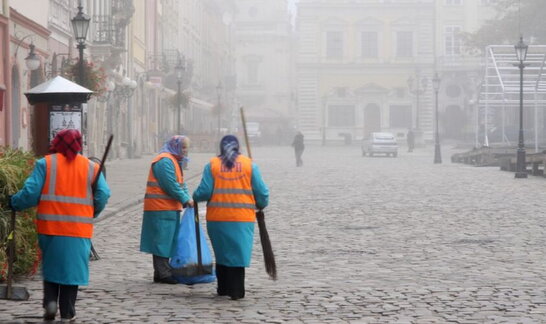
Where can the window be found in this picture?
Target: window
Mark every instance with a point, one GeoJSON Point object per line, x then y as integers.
{"type": "Point", "coordinates": [454, 2]}
{"type": "Point", "coordinates": [404, 44]}
{"type": "Point", "coordinates": [252, 63]}
{"type": "Point", "coordinates": [452, 40]}
{"type": "Point", "coordinates": [341, 116]}
{"type": "Point", "coordinates": [400, 116]}
{"type": "Point", "coordinates": [368, 44]}
{"type": "Point", "coordinates": [334, 44]}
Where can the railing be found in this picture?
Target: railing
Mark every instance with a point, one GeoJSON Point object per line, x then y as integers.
{"type": "Point", "coordinates": [103, 29]}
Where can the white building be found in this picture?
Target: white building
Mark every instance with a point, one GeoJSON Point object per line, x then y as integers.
{"type": "Point", "coordinates": [264, 42]}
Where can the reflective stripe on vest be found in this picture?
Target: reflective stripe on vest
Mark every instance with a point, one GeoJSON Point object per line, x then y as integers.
{"type": "Point", "coordinates": [66, 201]}
{"type": "Point", "coordinates": [155, 198]}
{"type": "Point", "coordinates": [232, 197]}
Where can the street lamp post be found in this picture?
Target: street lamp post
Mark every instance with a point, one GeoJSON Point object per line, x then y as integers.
{"type": "Point", "coordinates": [219, 108]}
{"type": "Point", "coordinates": [179, 74]}
{"type": "Point", "coordinates": [417, 87]}
{"type": "Point", "coordinates": [80, 24]}
{"type": "Point", "coordinates": [437, 151]}
{"type": "Point", "coordinates": [521, 53]}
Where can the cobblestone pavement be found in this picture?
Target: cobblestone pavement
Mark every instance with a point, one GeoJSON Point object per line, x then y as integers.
{"type": "Point", "coordinates": [357, 240]}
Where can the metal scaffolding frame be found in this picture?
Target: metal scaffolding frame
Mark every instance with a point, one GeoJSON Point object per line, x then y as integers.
{"type": "Point", "coordinates": [500, 88]}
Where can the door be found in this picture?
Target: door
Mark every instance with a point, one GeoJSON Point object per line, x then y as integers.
{"type": "Point", "coordinates": [453, 122]}
{"type": "Point", "coordinates": [372, 119]}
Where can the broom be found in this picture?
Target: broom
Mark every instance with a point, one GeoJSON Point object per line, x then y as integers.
{"type": "Point", "coordinates": [94, 255]}
{"type": "Point", "coordinates": [269, 257]}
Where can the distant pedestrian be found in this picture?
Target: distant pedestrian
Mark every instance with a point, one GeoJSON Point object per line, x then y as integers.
{"type": "Point", "coordinates": [299, 146]}
{"type": "Point", "coordinates": [233, 187]}
{"type": "Point", "coordinates": [410, 137]}
{"type": "Point", "coordinates": [166, 194]}
{"type": "Point", "coordinates": [61, 186]}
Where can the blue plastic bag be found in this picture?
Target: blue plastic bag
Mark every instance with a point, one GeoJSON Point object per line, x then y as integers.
{"type": "Point", "coordinates": [184, 262]}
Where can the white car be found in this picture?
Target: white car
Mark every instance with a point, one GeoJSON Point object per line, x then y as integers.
{"type": "Point", "coordinates": [380, 143]}
{"type": "Point", "coordinates": [253, 131]}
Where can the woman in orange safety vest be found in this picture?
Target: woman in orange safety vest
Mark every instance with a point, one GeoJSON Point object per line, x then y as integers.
{"type": "Point", "coordinates": [166, 193]}
{"type": "Point", "coordinates": [60, 185]}
{"type": "Point", "coordinates": [233, 188]}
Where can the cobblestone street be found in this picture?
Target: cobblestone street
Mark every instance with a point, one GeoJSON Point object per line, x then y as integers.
{"type": "Point", "coordinates": [357, 240]}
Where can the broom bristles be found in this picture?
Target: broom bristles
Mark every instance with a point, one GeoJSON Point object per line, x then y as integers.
{"type": "Point", "coordinates": [269, 257]}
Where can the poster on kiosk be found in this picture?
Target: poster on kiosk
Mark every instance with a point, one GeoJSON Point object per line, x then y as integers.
{"type": "Point", "coordinates": [67, 116]}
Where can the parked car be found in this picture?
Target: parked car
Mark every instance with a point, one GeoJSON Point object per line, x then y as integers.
{"type": "Point", "coordinates": [254, 132]}
{"type": "Point", "coordinates": [380, 143]}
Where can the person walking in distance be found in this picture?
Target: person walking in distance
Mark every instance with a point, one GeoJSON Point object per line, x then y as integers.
{"type": "Point", "coordinates": [233, 187]}
{"type": "Point", "coordinates": [299, 146]}
{"type": "Point", "coordinates": [410, 137]}
{"type": "Point", "coordinates": [166, 194]}
{"type": "Point", "coordinates": [61, 186]}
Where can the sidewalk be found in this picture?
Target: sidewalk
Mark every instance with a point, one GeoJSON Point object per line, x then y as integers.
{"type": "Point", "coordinates": [127, 180]}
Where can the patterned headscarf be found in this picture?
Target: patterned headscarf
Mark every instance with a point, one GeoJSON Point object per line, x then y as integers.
{"type": "Point", "coordinates": [68, 142]}
{"type": "Point", "coordinates": [175, 146]}
{"type": "Point", "coordinates": [229, 150]}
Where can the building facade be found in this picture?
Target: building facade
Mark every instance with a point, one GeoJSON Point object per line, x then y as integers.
{"type": "Point", "coordinates": [367, 65]}
{"type": "Point", "coordinates": [5, 79]}
{"type": "Point", "coordinates": [27, 30]}
{"type": "Point", "coordinates": [265, 73]}
{"type": "Point", "coordinates": [138, 46]}
{"type": "Point", "coordinates": [461, 72]}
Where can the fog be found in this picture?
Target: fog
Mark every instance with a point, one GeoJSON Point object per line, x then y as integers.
{"type": "Point", "coordinates": [334, 70]}
{"type": "Point", "coordinates": [341, 70]}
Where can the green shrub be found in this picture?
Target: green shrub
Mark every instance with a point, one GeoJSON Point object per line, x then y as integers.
{"type": "Point", "coordinates": [15, 167]}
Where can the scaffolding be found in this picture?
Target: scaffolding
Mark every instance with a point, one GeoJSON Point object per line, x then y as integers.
{"type": "Point", "coordinates": [499, 91]}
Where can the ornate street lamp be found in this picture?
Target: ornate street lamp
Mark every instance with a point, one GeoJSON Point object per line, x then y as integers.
{"type": "Point", "coordinates": [80, 25]}
{"type": "Point", "coordinates": [126, 89]}
{"type": "Point", "coordinates": [437, 151]}
{"type": "Point", "coordinates": [179, 68]}
{"type": "Point", "coordinates": [32, 61]}
{"type": "Point", "coordinates": [521, 53]}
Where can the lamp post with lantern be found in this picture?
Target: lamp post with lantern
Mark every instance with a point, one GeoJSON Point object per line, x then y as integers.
{"type": "Point", "coordinates": [521, 53]}
{"type": "Point", "coordinates": [80, 25]}
{"type": "Point", "coordinates": [417, 86]}
{"type": "Point", "coordinates": [179, 68]}
{"type": "Point", "coordinates": [437, 150]}
{"type": "Point", "coordinates": [32, 61]}
{"type": "Point", "coordinates": [219, 107]}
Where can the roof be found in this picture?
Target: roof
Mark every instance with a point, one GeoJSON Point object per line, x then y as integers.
{"type": "Point", "coordinates": [58, 85]}
{"type": "Point", "coordinates": [58, 89]}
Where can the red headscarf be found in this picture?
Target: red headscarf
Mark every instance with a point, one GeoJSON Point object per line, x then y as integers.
{"type": "Point", "coordinates": [68, 142]}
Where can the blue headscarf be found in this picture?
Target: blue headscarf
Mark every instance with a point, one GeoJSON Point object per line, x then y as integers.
{"type": "Point", "coordinates": [229, 150]}
{"type": "Point", "coordinates": [174, 146]}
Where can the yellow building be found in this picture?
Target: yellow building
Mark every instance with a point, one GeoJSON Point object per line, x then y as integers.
{"type": "Point", "coordinates": [367, 65]}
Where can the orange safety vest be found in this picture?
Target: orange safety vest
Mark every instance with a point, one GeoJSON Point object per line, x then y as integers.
{"type": "Point", "coordinates": [66, 203]}
{"type": "Point", "coordinates": [155, 198]}
{"type": "Point", "coordinates": [232, 197]}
